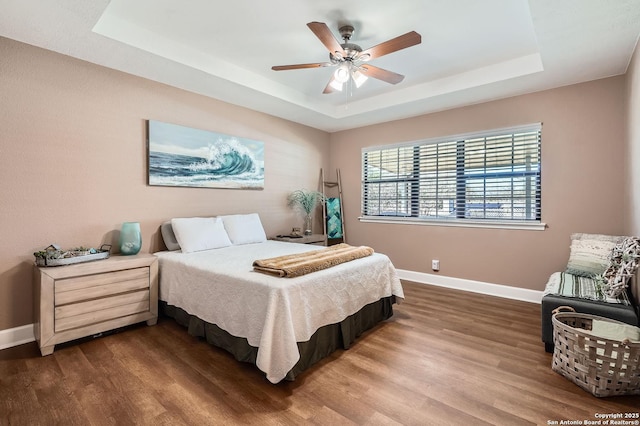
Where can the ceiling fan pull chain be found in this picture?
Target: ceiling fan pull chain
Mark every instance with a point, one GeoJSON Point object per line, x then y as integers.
{"type": "Point", "coordinates": [347, 94]}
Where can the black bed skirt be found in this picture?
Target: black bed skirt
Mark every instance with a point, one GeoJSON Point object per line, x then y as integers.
{"type": "Point", "coordinates": [322, 343]}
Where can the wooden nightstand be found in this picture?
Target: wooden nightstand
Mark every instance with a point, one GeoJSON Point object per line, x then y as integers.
{"type": "Point", "coordinates": [317, 239]}
{"type": "Point", "coordinates": [83, 299]}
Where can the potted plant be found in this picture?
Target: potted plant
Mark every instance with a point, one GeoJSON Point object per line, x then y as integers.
{"type": "Point", "coordinates": [305, 201]}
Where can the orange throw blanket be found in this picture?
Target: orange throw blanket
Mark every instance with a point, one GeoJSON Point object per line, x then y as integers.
{"type": "Point", "coordinates": [294, 265]}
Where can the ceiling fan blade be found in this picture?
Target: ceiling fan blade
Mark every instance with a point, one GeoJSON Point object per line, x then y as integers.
{"type": "Point", "coordinates": [301, 66]}
{"type": "Point", "coordinates": [323, 32]}
{"type": "Point", "coordinates": [401, 42]}
{"type": "Point", "coordinates": [381, 74]}
{"type": "Point", "coordinates": [330, 88]}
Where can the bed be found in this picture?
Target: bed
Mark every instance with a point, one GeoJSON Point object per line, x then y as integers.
{"type": "Point", "coordinates": [282, 325]}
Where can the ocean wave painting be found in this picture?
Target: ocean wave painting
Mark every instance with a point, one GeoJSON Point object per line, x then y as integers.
{"type": "Point", "coordinates": [182, 156]}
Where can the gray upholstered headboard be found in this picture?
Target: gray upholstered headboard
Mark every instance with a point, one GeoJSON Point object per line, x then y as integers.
{"type": "Point", "coordinates": [168, 236]}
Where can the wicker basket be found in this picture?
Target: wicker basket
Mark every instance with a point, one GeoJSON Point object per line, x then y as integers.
{"type": "Point", "coordinates": [598, 365]}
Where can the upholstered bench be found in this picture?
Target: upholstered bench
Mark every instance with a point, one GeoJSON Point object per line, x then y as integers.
{"type": "Point", "coordinates": [622, 308]}
{"type": "Point", "coordinates": [599, 280]}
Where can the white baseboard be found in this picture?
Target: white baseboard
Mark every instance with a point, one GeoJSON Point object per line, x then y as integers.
{"type": "Point", "coordinates": [533, 296]}
{"type": "Point", "coordinates": [16, 336]}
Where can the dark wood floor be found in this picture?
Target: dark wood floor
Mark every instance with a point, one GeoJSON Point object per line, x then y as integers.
{"type": "Point", "coordinates": [445, 358]}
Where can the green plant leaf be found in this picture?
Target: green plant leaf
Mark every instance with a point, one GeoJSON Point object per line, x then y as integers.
{"type": "Point", "coordinates": [305, 200]}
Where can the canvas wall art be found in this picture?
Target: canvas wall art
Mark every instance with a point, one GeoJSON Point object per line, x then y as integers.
{"type": "Point", "coordinates": [183, 156]}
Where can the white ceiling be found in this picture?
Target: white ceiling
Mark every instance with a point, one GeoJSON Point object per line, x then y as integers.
{"type": "Point", "coordinates": [471, 51]}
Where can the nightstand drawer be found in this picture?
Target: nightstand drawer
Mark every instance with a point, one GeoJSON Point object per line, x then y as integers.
{"type": "Point", "coordinates": [73, 309]}
{"type": "Point", "coordinates": [79, 289]}
{"type": "Point", "coordinates": [93, 311]}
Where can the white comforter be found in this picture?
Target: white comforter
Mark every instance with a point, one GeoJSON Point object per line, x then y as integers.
{"type": "Point", "coordinates": [272, 313]}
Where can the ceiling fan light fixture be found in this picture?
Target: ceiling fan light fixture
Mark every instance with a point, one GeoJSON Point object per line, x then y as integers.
{"type": "Point", "coordinates": [336, 85]}
{"type": "Point", "coordinates": [341, 74]}
{"type": "Point", "coordinates": [358, 78]}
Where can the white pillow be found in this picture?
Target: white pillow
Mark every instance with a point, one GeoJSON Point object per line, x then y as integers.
{"type": "Point", "coordinates": [590, 253]}
{"type": "Point", "coordinates": [200, 233]}
{"type": "Point", "coordinates": [244, 228]}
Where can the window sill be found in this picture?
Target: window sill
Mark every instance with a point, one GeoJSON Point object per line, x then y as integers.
{"type": "Point", "coordinates": [526, 226]}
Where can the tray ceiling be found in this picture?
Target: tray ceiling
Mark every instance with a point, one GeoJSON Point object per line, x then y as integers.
{"type": "Point", "coordinates": [471, 51]}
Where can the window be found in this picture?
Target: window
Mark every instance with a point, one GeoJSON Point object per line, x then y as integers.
{"type": "Point", "coordinates": [493, 177]}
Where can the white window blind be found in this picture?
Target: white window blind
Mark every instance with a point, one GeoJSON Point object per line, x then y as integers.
{"type": "Point", "coordinates": [491, 176]}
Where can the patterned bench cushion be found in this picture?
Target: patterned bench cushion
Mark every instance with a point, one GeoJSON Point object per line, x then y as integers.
{"type": "Point", "coordinates": [569, 285]}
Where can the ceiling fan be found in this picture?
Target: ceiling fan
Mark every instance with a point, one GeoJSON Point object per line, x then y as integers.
{"type": "Point", "coordinates": [351, 60]}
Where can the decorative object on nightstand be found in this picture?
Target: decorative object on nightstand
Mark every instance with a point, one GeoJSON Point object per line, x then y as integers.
{"type": "Point", "coordinates": [55, 256]}
{"type": "Point", "coordinates": [130, 238]}
{"type": "Point", "coordinates": [305, 201]}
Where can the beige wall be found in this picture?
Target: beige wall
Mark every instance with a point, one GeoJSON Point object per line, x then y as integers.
{"type": "Point", "coordinates": [583, 155]}
{"type": "Point", "coordinates": [73, 168]}
{"type": "Point", "coordinates": [633, 140]}
{"type": "Point", "coordinates": [73, 161]}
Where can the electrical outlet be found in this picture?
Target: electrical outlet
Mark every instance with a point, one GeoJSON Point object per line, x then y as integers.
{"type": "Point", "coordinates": [435, 264]}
